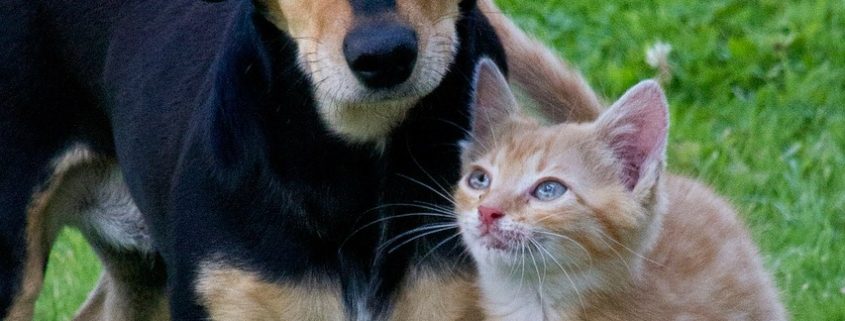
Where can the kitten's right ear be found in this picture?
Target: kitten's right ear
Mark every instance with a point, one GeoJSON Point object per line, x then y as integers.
{"type": "Point", "coordinates": [493, 102]}
{"type": "Point", "coordinates": [636, 128]}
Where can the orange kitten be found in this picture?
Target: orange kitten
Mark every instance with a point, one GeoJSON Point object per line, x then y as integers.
{"type": "Point", "coordinates": [580, 221]}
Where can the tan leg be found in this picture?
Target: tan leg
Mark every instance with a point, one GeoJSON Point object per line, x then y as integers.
{"type": "Point", "coordinates": [87, 192]}
{"type": "Point", "coordinates": [41, 231]}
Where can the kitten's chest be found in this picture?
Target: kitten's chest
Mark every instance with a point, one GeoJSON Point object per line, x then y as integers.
{"type": "Point", "coordinates": [549, 297]}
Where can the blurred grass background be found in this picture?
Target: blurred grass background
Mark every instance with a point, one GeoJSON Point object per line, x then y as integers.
{"type": "Point", "coordinates": [758, 111]}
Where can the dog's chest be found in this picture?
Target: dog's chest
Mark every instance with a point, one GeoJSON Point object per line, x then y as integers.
{"type": "Point", "coordinates": [230, 293]}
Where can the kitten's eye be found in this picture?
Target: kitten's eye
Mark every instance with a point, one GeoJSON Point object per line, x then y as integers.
{"type": "Point", "coordinates": [478, 179]}
{"type": "Point", "coordinates": [549, 190]}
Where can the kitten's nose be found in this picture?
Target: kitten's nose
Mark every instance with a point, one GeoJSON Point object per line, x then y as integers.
{"type": "Point", "coordinates": [489, 215]}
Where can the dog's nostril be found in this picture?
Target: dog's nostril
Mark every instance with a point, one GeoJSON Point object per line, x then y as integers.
{"type": "Point", "coordinates": [381, 55]}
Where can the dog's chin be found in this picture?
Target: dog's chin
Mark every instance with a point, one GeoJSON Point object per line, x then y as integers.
{"type": "Point", "coordinates": [362, 115]}
{"type": "Point", "coordinates": [365, 122]}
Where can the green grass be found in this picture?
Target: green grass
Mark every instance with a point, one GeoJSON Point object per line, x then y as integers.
{"type": "Point", "coordinates": [72, 271]}
{"type": "Point", "coordinates": [758, 111]}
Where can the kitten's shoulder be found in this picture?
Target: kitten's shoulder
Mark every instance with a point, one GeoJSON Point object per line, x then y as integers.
{"type": "Point", "coordinates": [698, 225]}
{"type": "Point", "coordinates": [705, 253]}
{"type": "Point", "coordinates": [687, 195]}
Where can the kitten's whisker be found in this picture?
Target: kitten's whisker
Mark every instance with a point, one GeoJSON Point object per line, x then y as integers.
{"type": "Point", "coordinates": [395, 217]}
{"type": "Point", "coordinates": [414, 230]}
{"type": "Point", "coordinates": [444, 190]}
{"type": "Point", "coordinates": [426, 206]}
{"type": "Point", "coordinates": [415, 204]}
{"type": "Point", "coordinates": [630, 250]}
{"type": "Point", "coordinates": [444, 196]}
{"type": "Point", "coordinates": [439, 245]}
{"type": "Point", "coordinates": [522, 276]}
{"type": "Point", "coordinates": [544, 218]}
{"type": "Point", "coordinates": [564, 237]}
{"type": "Point", "coordinates": [568, 277]}
{"type": "Point", "coordinates": [431, 230]}
{"type": "Point", "coordinates": [536, 267]}
{"type": "Point", "coordinates": [540, 289]}
{"type": "Point", "coordinates": [461, 257]}
{"type": "Point", "coordinates": [627, 266]}
{"type": "Point", "coordinates": [469, 134]}
{"type": "Point", "coordinates": [435, 205]}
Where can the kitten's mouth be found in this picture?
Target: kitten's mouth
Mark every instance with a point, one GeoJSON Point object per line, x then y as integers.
{"type": "Point", "coordinates": [495, 238]}
{"type": "Point", "coordinates": [494, 243]}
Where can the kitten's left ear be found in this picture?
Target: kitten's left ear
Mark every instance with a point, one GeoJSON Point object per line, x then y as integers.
{"type": "Point", "coordinates": [636, 128]}
{"type": "Point", "coordinates": [493, 102]}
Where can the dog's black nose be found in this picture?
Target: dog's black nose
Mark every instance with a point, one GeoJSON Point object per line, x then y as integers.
{"type": "Point", "coordinates": [381, 55]}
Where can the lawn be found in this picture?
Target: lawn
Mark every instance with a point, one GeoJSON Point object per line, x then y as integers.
{"type": "Point", "coordinates": [758, 111]}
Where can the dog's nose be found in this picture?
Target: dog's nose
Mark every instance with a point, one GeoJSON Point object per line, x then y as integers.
{"type": "Point", "coordinates": [381, 55]}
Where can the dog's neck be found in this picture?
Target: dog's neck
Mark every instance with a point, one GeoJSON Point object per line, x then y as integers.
{"type": "Point", "coordinates": [367, 122]}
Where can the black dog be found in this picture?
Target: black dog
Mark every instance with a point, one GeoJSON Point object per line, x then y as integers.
{"type": "Point", "coordinates": [290, 158]}
{"type": "Point", "coordinates": [252, 161]}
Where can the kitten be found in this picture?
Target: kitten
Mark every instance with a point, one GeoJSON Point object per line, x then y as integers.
{"type": "Point", "coordinates": [580, 222]}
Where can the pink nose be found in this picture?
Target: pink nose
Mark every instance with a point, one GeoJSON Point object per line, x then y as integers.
{"type": "Point", "coordinates": [489, 215]}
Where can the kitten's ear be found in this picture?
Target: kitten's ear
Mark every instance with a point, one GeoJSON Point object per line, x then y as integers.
{"type": "Point", "coordinates": [636, 127]}
{"type": "Point", "coordinates": [493, 102]}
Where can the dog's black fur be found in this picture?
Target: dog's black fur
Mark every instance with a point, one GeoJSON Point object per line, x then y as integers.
{"type": "Point", "coordinates": [216, 131]}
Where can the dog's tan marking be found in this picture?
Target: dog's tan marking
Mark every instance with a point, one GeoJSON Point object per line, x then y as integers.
{"type": "Point", "coordinates": [442, 296]}
{"type": "Point", "coordinates": [560, 91]}
{"type": "Point", "coordinates": [230, 293]}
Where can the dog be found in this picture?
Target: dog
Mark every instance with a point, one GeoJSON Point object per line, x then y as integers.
{"type": "Point", "coordinates": [247, 160]}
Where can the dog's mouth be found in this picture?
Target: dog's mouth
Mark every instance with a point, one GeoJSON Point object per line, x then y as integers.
{"type": "Point", "coordinates": [379, 65]}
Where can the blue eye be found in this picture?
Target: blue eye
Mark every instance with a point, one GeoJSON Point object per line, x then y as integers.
{"type": "Point", "coordinates": [478, 179]}
{"type": "Point", "coordinates": [549, 190]}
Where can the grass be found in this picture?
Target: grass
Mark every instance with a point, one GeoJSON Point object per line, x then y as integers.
{"type": "Point", "coordinates": [72, 271]}
{"type": "Point", "coordinates": [758, 111]}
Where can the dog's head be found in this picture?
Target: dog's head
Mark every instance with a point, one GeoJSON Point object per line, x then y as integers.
{"type": "Point", "coordinates": [369, 60]}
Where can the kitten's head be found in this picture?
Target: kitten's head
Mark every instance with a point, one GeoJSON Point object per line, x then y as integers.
{"type": "Point", "coordinates": [579, 193]}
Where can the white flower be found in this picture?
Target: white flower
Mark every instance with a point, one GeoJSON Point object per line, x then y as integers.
{"type": "Point", "coordinates": [658, 54]}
